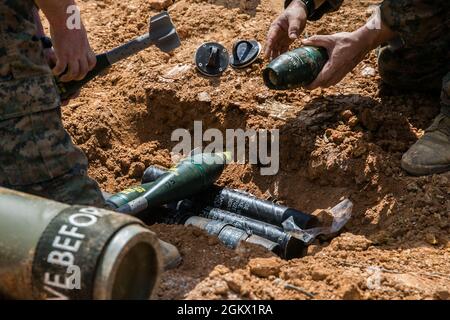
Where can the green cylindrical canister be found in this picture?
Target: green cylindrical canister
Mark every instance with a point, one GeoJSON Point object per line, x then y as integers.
{"type": "Point", "coordinates": [295, 68]}
{"type": "Point", "coordinates": [49, 250]}
{"type": "Point", "coordinates": [187, 168]}
{"type": "Point", "coordinates": [189, 177]}
{"type": "Point", "coordinates": [123, 197]}
{"type": "Point", "coordinates": [241, 203]}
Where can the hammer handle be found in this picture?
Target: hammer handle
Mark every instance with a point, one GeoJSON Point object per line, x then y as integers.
{"type": "Point", "coordinates": [105, 60]}
{"type": "Point", "coordinates": [68, 89]}
{"type": "Point", "coordinates": [130, 48]}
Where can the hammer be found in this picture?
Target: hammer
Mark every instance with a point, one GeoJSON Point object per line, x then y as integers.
{"type": "Point", "coordinates": [162, 34]}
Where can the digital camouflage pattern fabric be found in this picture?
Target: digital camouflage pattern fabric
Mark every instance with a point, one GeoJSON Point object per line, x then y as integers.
{"type": "Point", "coordinates": [422, 61]}
{"type": "Point", "coordinates": [36, 153]}
{"type": "Point", "coordinates": [445, 97]}
{"type": "Point", "coordinates": [37, 156]}
{"type": "Point", "coordinates": [26, 81]}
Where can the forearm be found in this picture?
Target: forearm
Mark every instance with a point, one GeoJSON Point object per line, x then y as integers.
{"type": "Point", "coordinates": [317, 3]}
{"type": "Point", "coordinates": [317, 8]}
{"type": "Point", "coordinates": [55, 10]}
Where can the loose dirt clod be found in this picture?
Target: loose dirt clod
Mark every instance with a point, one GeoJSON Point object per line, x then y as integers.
{"type": "Point", "coordinates": [344, 141]}
{"type": "Point", "coordinates": [265, 268]}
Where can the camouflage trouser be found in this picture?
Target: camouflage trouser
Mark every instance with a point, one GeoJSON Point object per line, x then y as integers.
{"type": "Point", "coordinates": [38, 157]}
{"type": "Point", "coordinates": [416, 69]}
{"type": "Point", "coordinates": [420, 60]}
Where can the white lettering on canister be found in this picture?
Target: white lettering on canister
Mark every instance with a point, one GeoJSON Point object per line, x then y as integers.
{"type": "Point", "coordinates": [76, 220]}
{"type": "Point", "coordinates": [62, 258]}
{"type": "Point", "coordinates": [71, 233]}
{"type": "Point", "coordinates": [66, 244]}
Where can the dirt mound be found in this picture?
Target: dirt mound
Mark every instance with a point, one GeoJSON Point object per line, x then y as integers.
{"type": "Point", "coordinates": [203, 256]}
{"type": "Point", "coordinates": [345, 141]}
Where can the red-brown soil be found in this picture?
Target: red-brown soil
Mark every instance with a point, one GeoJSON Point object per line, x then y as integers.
{"type": "Point", "coordinates": [345, 141]}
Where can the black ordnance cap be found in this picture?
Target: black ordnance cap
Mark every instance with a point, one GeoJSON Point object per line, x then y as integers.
{"type": "Point", "coordinates": [245, 52]}
{"type": "Point", "coordinates": [211, 59]}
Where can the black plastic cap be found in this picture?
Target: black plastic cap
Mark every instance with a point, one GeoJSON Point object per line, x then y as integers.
{"type": "Point", "coordinates": [211, 59]}
{"type": "Point", "coordinates": [245, 53]}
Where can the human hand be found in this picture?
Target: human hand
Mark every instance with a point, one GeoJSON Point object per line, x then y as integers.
{"type": "Point", "coordinates": [50, 56]}
{"type": "Point", "coordinates": [74, 56]}
{"type": "Point", "coordinates": [285, 29]}
{"type": "Point", "coordinates": [345, 51]}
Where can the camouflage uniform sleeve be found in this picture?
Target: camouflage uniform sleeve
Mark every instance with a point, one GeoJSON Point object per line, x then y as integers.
{"type": "Point", "coordinates": [26, 81]}
{"type": "Point", "coordinates": [417, 21]}
{"type": "Point", "coordinates": [327, 6]}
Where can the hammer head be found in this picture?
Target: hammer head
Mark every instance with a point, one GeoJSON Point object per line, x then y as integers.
{"type": "Point", "coordinates": [163, 33]}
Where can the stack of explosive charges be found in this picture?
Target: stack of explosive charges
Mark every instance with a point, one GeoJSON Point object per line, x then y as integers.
{"type": "Point", "coordinates": [234, 216]}
{"type": "Point", "coordinates": [186, 194]}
